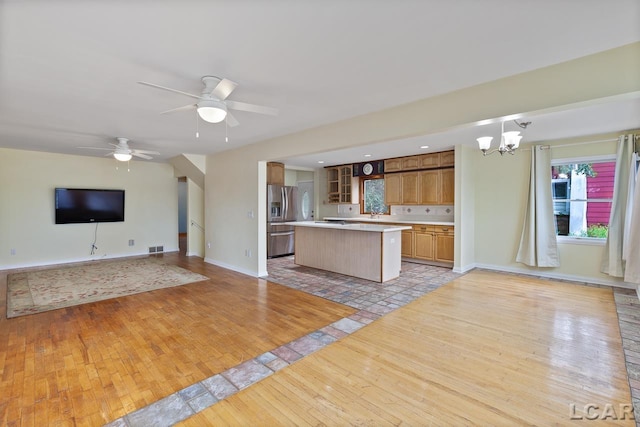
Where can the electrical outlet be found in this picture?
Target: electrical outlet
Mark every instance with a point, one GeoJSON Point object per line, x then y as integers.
{"type": "Point", "coordinates": [250, 214]}
{"type": "Point", "coordinates": [13, 251]}
{"type": "Point", "coordinates": [131, 242]}
{"type": "Point", "coordinates": [209, 245]}
{"type": "Point", "coordinates": [247, 253]}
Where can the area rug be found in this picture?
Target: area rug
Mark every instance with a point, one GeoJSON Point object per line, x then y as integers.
{"type": "Point", "coordinates": [44, 290]}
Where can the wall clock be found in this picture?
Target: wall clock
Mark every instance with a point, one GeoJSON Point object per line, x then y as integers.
{"type": "Point", "coordinates": [367, 169]}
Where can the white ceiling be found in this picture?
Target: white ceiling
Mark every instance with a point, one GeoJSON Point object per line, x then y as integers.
{"type": "Point", "coordinates": [68, 69]}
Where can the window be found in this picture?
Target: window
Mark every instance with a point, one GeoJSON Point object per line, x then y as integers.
{"type": "Point", "coordinates": [582, 192]}
{"type": "Point", "coordinates": [373, 196]}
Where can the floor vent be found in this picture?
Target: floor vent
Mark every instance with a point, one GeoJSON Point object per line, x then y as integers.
{"type": "Point", "coordinates": [156, 249]}
{"type": "Point", "coordinates": [159, 248]}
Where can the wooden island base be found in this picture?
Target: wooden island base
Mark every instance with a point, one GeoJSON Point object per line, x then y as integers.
{"type": "Point", "coordinates": [366, 251]}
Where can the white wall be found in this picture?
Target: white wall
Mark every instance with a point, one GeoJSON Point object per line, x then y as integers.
{"type": "Point", "coordinates": [195, 214]}
{"type": "Point", "coordinates": [27, 182]}
{"type": "Point", "coordinates": [502, 185]}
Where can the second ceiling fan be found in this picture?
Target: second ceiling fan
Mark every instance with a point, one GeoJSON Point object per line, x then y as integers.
{"type": "Point", "coordinates": [213, 105]}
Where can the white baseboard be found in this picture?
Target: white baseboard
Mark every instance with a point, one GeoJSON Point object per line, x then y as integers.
{"type": "Point", "coordinates": [464, 269]}
{"type": "Point", "coordinates": [559, 276]}
{"type": "Point", "coordinates": [75, 260]}
{"type": "Point", "coordinates": [230, 267]}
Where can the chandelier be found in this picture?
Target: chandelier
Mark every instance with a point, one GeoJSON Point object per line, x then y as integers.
{"type": "Point", "coordinates": [509, 141]}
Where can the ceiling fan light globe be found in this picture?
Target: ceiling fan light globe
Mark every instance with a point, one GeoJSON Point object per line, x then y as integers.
{"type": "Point", "coordinates": [123, 157]}
{"type": "Point", "coordinates": [212, 111]}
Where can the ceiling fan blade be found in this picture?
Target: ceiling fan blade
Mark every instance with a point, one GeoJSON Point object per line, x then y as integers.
{"type": "Point", "coordinates": [224, 89]}
{"type": "Point", "coordinates": [183, 108]}
{"type": "Point", "coordinates": [144, 152]}
{"type": "Point", "coordinates": [231, 121]}
{"type": "Point", "coordinates": [169, 89]}
{"type": "Point", "coordinates": [252, 108]}
{"type": "Point", "coordinates": [96, 148]}
{"type": "Point", "coordinates": [143, 156]}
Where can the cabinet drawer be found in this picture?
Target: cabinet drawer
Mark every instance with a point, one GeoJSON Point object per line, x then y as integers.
{"type": "Point", "coordinates": [443, 229]}
{"type": "Point", "coordinates": [423, 228]}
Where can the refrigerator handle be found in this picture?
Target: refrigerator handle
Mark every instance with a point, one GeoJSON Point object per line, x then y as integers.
{"type": "Point", "coordinates": [284, 203]}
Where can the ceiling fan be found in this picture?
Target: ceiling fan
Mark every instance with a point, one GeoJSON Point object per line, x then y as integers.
{"type": "Point", "coordinates": [122, 152]}
{"type": "Point", "coordinates": [213, 105]}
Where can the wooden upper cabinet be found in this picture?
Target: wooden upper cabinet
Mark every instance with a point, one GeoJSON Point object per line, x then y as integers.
{"type": "Point", "coordinates": [410, 163]}
{"type": "Point", "coordinates": [447, 186]}
{"type": "Point", "coordinates": [275, 173]}
{"type": "Point", "coordinates": [430, 187]}
{"type": "Point", "coordinates": [410, 188]}
{"type": "Point", "coordinates": [392, 165]}
{"type": "Point", "coordinates": [393, 189]}
{"type": "Point", "coordinates": [447, 158]}
{"type": "Point", "coordinates": [345, 183]}
{"type": "Point", "coordinates": [431, 160]}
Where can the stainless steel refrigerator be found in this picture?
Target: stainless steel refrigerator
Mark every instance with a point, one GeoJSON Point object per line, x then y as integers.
{"type": "Point", "coordinates": [281, 207]}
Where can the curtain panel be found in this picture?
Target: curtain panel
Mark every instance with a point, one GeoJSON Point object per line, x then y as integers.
{"type": "Point", "coordinates": [538, 245]}
{"type": "Point", "coordinates": [632, 243]}
{"type": "Point", "coordinates": [613, 262]}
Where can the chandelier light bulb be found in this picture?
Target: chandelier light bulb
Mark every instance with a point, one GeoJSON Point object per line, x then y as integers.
{"type": "Point", "coordinates": [484, 142]}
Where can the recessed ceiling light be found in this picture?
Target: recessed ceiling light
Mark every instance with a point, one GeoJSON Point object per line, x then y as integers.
{"type": "Point", "coordinates": [367, 155]}
{"type": "Point", "coordinates": [424, 146]}
{"type": "Point", "coordinates": [320, 161]}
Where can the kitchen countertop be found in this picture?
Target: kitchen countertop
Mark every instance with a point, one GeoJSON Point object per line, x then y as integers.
{"type": "Point", "coordinates": [377, 228]}
{"type": "Point", "coordinates": [384, 219]}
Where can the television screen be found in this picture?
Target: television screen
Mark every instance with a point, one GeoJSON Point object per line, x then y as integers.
{"type": "Point", "coordinates": [78, 205]}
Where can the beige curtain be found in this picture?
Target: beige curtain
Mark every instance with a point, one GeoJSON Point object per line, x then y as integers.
{"type": "Point", "coordinates": [538, 245]}
{"type": "Point", "coordinates": [632, 243]}
{"type": "Point", "coordinates": [612, 259]}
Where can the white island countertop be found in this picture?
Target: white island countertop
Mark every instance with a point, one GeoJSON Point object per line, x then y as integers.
{"type": "Point", "coordinates": [337, 225]}
{"type": "Point", "coordinates": [387, 219]}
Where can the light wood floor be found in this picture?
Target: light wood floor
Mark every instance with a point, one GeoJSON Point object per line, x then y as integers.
{"type": "Point", "coordinates": [486, 349]}
{"type": "Point", "coordinates": [90, 364]}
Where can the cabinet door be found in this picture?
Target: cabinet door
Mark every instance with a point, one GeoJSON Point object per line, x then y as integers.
{"type": "Point", "coordinates": [275, 173]}
{"type": "Point", "coordinates": [428, 161]}
{"type": "Point", "coordinates": [429, 187]}
{"type": "Point", "coordinates": [447, 158]}
{"type": "Point", "coordinates": [392, 165]}
{"type": "Point", "coordinates": [410, 188]}
{"type": "Point", "coordinates": [345, 184]}
{"type": "Point", "coordinates": [406, 248]}
{"type": "Point", "coordinates": [447, 186]}
{"type": "Point", "coordinates": [393, 189]}
{"type": "Point", "coordinates": [423, 245]}
{"type": "Point", "coordinates": [444, 247]}
{"type": "Point", "coordinates": [410, 163]}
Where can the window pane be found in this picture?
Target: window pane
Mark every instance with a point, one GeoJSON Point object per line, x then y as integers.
{"type": "Point", "coordinates": [374, 196]}
{"type": "Point", "coordinates": [582, 194]}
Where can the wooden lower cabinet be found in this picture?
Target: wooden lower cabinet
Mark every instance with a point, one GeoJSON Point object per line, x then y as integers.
{"type": "Point", "coordinates": [429, 243]}
{"type": "Point", "coordinates": [444, 241]}
{"type": "Point", "coordinates": [424, 245]}
{"type": "Point", "coordinates": [407, 244]}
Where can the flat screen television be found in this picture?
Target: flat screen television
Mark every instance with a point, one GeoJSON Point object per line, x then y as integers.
{"type": "Point", "coordinates": [81, 205]}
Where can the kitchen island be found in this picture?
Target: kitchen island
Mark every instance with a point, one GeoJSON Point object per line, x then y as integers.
{"type": "Point", "coordinates": [367, 251]}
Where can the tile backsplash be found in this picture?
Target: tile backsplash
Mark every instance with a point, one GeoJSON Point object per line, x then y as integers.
{"type": "Point", "coordinates": [408, 212]}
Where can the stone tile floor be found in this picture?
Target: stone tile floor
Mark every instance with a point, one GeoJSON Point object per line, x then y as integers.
{"type": "Point", "coordinates": [373, 301]}
{"type": "Point", "coordinates": [628, 307]}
